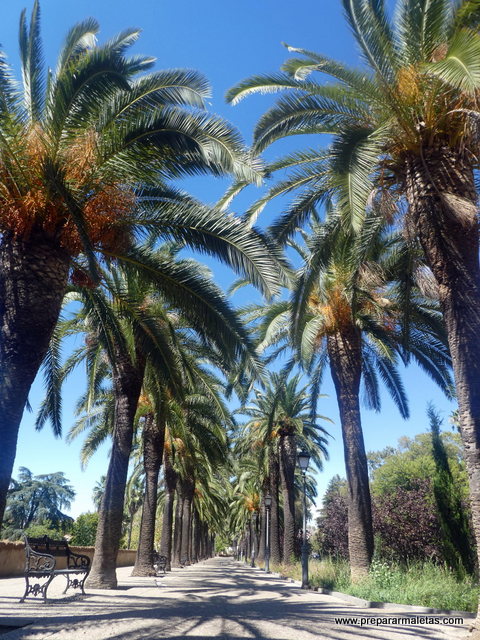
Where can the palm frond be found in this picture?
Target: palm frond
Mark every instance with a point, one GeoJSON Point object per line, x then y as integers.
{"type": "Point", "coordinates": [31, 55]}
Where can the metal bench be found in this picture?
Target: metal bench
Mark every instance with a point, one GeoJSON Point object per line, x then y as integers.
{"type": "Point", "coordinates": [40, 566]}
{"type": "Point", "coordinates": [160, 563]}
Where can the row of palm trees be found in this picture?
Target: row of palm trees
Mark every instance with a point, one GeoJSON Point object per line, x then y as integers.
{"type": "Point", "coordinates": [264, 463]}
{"type": "Point", "coordinates": [389, 274]}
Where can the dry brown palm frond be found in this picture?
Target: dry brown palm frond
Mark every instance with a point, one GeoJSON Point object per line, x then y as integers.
{"type": "Point", "coordinates": [80, 157]}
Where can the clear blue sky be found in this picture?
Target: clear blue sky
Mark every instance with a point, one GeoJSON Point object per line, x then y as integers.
{"type": "Point", "coordinates": [227, 41]}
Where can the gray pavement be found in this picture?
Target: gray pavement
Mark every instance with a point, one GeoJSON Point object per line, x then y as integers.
{"type": "Point", "coordinates": [217, 598]}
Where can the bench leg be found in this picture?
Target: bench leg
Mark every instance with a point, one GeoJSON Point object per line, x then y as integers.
{"type": "Point", "coordinates": [76, 583]}
{"type": "Point", "coordinates": [36, 589]}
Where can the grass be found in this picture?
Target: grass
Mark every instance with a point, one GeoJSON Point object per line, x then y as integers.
{"type": "Point", "coordinates": [420, 583]}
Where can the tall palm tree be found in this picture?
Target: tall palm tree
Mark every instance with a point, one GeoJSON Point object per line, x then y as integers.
{"type": "Point", "coordinates": [86, 154]}
{"type": "Point", "coordinates": [349, 309]}
{"type": "Point", "coordinates": [404, 126]}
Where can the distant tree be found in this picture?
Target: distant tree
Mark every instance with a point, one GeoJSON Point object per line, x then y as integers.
{"type": "Point", "coordinates": [412, 461]}
{"type": "Point", "coordinates": [98, 491]}
{"type": "Point", "coordinates": [85, 529]}
{"type": "Point", "coordinates": [37, 500]}
{"type": "Point", "coordinates": [43, 529]}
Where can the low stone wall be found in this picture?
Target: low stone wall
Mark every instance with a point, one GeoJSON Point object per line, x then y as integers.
{"type": "Point", "coordinates": [12, 558]}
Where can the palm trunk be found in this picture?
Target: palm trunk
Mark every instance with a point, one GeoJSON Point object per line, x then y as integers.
{"type": "Point", "coordinates": [288, 455]}
{"type": "Point", "coordinates": [33, 277]}
{"type": "Point", "coordinates": [443, 212]}
{"type": "Point", "coordinates": [263, 516]}
{"type": "Point", "coordinates": [345, 353]}
{"type": "Point", "coordinates": [153, 440]}
{"type": "Point", "coordinates": [127, 379]}
{"type": "Point", "coordinates": [177, 533]}
{"type": "Point", "coordinates": [196, 537]}
{"type": "Point", "coordinates": [167, 524]}
{"type": "Point", "coordinates": [131, 513]}
{"type": "Point", "coordinates": [187, 488]}
{"type": "Point", "coordinates": [274, 470]}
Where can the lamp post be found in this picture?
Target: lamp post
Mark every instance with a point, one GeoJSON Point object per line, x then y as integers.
{"type": "Point", "coordinates": [253, 532]}
{"type": "Point", "coordinates": [268, 504]}
{"type": "Point", "coordinates": [303, 462]}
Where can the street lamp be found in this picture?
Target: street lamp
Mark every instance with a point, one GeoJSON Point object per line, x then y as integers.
{"type": "Point", "coordinates": [253, 536]}
{"type": "Point", "coordinates": [267, 501]}
{"type": "Point", "coordinates": [303, 462]}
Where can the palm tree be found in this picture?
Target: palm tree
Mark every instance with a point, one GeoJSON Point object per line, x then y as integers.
{"type": "Point", "coordinates": [86, 154]}
{"type": "Point", "coordinates": [281, 419]}
{"type": "Point", "coordinates": [133, 501]}
{"type": "Point", "coordinates": [153, 437]}
{"type": "Point", "coordinates": [200, 445]}
{"type": "Point", "coordinates": [404, 127]}
{"type": "Point", "coordinates": [98, 491]}
{"type": "Point", "coordinates": [349, 309]}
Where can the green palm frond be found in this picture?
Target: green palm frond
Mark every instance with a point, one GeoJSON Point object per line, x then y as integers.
{"type": "Point", "coordinates": [79, 39]}
{"type": "Point", "coordinates": [31, 55]}
{"type": "Point", "coordinates": [460, 68]}
{"type": "Point", "coordinates": [51, 406]}
{"type": "Point", "coordinates": [421, 28]}
{"type": "Point", "coordinates": [248, 251]}
{"type": "Point", "coordinates": [294, 114]}
{"type": "Point", "coordinates": [369, 23]}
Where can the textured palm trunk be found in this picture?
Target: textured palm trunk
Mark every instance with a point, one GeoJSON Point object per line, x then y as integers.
{"type": "Point", "coordinates": [177, 532]}
{"type": "Point", "coordinates": [288, 455]}
{"type": "Point", "coordinates": [345, 354]}
{"type": "Point", "coordinates": [127, 380]}
{"type": "Point", "coordinates": [201, 542]}
{"type": "Point", "coordinates": [33, 277]}
{"type": "Point", "coordinates": [196, 537]}
{"type": "Point", "coordinates": [153, 441]}
{"type": "Point", "coordinates": [263, 516]}
{"type": "Point", "coordinates": [274, 470]}
{"type": "Point", "coordinates": [170, 476]}
{"type": "Point", "coordinates": [443, 212]}
{"type": "Point", "coordinates": [187, 488]}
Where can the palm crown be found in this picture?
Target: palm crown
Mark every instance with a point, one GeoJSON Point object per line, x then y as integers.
{"type": "Point", "coordinates": [416, 95]}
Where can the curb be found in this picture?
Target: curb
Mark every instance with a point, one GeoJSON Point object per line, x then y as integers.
{"type": "Point", "coordinates": [372, 604]}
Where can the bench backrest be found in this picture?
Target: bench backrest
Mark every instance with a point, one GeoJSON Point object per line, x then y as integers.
{"type": "Point", "coordinates": [47, 545]}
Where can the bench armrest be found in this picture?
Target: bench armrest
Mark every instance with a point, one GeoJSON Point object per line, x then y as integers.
{"type": "Point", "coordinates": [35, 561]}
{"type": "Point", "coordinates": [78, 561]}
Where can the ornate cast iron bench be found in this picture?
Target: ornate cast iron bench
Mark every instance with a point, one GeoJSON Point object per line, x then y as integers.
{"type": "Point", "coordinates": [160, 562]}
{"type": "Point", "coordinates": [40, 561]}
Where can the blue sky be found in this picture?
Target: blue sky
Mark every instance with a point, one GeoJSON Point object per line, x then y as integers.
{"type": "Point", "coordinates": [227, 41]}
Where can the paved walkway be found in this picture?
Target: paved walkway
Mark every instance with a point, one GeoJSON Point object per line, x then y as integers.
{"type": "Point", "coordinates": [213, 599]}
